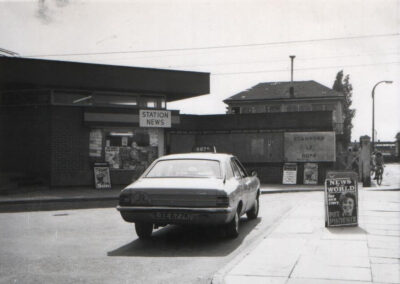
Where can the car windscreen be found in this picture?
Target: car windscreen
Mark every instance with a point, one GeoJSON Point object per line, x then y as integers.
{"type": "Point", "coordinates": [185, 168]}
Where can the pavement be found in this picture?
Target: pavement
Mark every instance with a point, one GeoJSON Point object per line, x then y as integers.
{"type": "Point", "coordinates": [299, 249]}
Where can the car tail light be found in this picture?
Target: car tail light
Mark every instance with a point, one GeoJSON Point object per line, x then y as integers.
{"type": "Point", "coordinates": [222, 201]}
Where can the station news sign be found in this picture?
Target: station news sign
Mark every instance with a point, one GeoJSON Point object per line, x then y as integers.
{"type": "Point", "coordinates": [155, 118]}
{"type": "Point", "coordinates": [309, 147]}
{"type": "Point", "coordinates": [341, 199]}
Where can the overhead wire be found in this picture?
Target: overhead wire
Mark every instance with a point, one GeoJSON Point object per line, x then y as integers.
{"type": "Point", "coordinates": [216, 46]}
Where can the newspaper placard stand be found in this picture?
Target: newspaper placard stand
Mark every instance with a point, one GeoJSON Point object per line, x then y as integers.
{"type": "Point", "coordinates": [102, 178]}
{"type": "Point", "coordinates": [341, 199]}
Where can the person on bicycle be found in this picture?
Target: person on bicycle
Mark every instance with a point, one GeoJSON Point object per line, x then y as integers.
{"type": "Point", "coordinates": [379, 163]}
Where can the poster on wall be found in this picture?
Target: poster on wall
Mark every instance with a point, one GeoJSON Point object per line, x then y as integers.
{"type": "Point", "coordinates": [95, 143]}
{"type": "Point", "coordinates": [289, 173]}
{"type": "Point", "coordinates": [153, 137]}
{"type": "Point", "coordinates": [341, 199]}
{"type": "Point", "coordinates": [112, 156]}
{"type": "Point", "coordinates": [310, 173]}
{"type": "Point", "coordinates": [102, 177]}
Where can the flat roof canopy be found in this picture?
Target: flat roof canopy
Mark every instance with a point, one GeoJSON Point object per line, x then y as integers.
{"type": "Point", "coordinates": [24, 73]}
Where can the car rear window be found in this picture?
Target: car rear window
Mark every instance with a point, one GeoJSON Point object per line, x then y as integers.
{"type": "Point", "coordinates": [185, 168]}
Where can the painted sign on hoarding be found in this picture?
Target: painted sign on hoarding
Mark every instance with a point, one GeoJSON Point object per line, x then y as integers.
{"type": "Point", "coordinates": [309, 147]}
{"type": "Point", "coordinates": [155, 118]}
{"type": "Point", "coordinates": [341, 199]}
{"type": "Point", "coordinates": [289, 173]}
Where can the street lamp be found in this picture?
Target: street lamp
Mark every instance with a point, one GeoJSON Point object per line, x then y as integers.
{"type": "Point", "coordinates": [373, 111]}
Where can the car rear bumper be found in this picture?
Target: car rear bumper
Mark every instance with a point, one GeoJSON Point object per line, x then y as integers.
{"type": "Point", "coordinates": [176, 215]}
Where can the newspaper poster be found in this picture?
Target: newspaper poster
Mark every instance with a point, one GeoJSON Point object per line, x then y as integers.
{"type": "Point", "coordinates": [310, 173]}
{"type": "Point", "coordinates": [289, 173]}
{"type": "Point", "coordinates": [95, 143]}
{"type": "Point", "coordinates": [112, 157]}
{"type": "Point", "coordinates": [102, 177]}
{"type": "Point", "coordinates": [341, 199]}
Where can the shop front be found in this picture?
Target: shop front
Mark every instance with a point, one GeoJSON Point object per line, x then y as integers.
{"type": "Point", "coordinates": [128, 150]}
{"type": "Point", "coordinates": [77, 116]}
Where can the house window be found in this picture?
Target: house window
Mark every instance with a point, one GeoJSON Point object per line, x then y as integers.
{"type": "Point", "coordinates": [292, 108]}
{"type": "Point", "coordinates": [274, 108]}
{"type": "Point", "coordinates": [235, 110]}
{"type": "Point", "coordinates": [318, 107]}
{"type": "Point", "coordinates": [330, 107]}
{"type": "Point", "coordinates": [305, 107]}
{"type": "Point", "coordinates": [248, 110]}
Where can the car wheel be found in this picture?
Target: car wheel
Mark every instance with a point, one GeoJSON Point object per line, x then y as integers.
{"type": "Point", "coordinates": [232, 228]}
{"type": "Point", "coordinates": [253, 212]}
{"type": "Point", "coordinates": [144, 230]}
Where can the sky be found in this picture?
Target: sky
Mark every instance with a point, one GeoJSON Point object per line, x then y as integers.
{"type": "Point", "coordinates": [240, 43]}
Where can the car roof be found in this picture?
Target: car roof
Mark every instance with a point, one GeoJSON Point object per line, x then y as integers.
{"type": "Point", "coordinates": [197, 155]}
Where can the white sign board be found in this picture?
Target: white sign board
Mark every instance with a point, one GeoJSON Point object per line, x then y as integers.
{"type": "Point", "coordinates": [289, 173]}
{"type": "Point", "coordinates": [155, 118]}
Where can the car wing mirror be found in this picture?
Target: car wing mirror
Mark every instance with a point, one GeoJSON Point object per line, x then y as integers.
{"type": "Point", "coordinates": [253, 173]}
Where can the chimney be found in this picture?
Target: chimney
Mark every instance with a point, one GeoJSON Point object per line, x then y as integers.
{"type": "Point", "coordinates": [291, 89]}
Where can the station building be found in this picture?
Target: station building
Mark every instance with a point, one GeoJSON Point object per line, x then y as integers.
{"type": "Point", "coordinates": [59, 118]}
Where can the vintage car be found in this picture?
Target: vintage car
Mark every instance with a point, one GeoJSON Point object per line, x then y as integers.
{"type": "Point", "coordinates": [191, 188]}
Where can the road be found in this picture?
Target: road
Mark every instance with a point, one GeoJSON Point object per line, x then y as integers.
{"type": "Point", "coordinates": [97, 246]}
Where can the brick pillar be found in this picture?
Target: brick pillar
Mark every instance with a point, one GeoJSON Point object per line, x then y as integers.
{"type": "Point", "coordinates": [365, 158]}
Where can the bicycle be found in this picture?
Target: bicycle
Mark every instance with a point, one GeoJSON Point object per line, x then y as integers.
{"type": "Point", "coordinates": [379, 175]}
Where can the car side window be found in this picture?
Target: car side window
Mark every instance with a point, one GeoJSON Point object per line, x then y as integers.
{"type": "Point", "coordinates": [235, 169]}
{"type": "Point", "coordinates": [241, 168]}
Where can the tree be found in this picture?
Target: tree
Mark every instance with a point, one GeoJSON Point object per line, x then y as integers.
{"type": "Point", "coordinates": [342, 85]}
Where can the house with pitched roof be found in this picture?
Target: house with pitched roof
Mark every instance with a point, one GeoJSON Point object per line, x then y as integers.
{"type": "Point", "coordinates": [279, 97]}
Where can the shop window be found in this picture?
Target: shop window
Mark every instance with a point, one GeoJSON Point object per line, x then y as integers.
{"type": "Point", "coordinates": [163, 104]}
{"type": "Point", "coordinates": [130, 150]}
{"type": "Point", "coordinates": [151, 104]}
{"type": "Point", "coordinates": [115, 100]}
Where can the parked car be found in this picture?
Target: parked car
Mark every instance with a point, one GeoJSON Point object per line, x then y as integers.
{"type": "Point", "coordinates": [193, 188]}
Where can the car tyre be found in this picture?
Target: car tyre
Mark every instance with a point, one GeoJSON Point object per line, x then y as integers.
{"type": "Point", "coordinates": [253, 212]}
{"type": "Point", "coordinates": [232, 228]}
{"type": "Point", "coordinates": [144, 230]}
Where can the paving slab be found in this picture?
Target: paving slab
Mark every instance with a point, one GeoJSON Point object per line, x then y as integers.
{"type": "Point", "coordinates": [273, 257]}
{"type": "Point", "coordinates": [238, 279]}
{"type": "Point", "coordinates": [386, 273]}
{"type": "Point", "coordinates": [313, 269]}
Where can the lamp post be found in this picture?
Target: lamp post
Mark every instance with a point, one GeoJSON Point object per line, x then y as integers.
{"type": "Point", "coordinates": [373, 111]}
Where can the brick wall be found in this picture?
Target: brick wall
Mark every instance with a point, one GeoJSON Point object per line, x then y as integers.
{"type": "Point", "coordinates": [25, 140]}
{"type": "Point", "coordinates": [69, 148]}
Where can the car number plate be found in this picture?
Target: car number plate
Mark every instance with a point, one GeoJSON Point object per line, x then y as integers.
{"type": "Point", "coordinates": [173, 216]}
